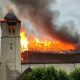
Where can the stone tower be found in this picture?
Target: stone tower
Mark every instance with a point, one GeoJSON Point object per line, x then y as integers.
{"type": "Point", "coordinates": [10, 47]}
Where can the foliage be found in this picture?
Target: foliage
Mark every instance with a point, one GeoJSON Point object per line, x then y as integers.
{"type": "Point", "coordinates": [50, 73]}
{"type": "Point", "coordinates": [75, 75]}
{"type": "Point", "coordinates": [63, 75]}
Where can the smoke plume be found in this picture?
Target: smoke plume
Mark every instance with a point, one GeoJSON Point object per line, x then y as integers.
{"type": "Point", "coordinates": [38, 12]}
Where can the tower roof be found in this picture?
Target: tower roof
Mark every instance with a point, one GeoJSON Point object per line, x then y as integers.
{"type": "Point", "coordinates": [10, 16]}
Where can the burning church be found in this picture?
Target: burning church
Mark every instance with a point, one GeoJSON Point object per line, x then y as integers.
{"type": "Point", "coordinates": [19, 51]}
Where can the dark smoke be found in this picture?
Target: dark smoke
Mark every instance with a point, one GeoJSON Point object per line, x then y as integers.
{"type": "Point", "coordinates": [38, 12]}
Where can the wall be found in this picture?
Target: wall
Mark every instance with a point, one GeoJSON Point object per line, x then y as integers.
{"type": "Point", "coordinates": [0, 72]}
{"type": "Point", "coordinates": [67, 67]}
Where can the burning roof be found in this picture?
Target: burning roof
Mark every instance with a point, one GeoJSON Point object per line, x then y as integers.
{"type": "Point", "coordinates": [46, 45]}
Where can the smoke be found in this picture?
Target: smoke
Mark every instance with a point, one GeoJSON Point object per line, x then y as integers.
{"type": "Point", "coordinates": [40, 15]}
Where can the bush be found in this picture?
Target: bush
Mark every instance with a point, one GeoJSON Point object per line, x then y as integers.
{"type": "Point", "coordinates": [63, 75]}
{"type": "Point", "coordinates": [43, 74]}
{"type": "Point", "coordinates": [50, 73]}
{"type": "Point", "coordinates": [75, 75]}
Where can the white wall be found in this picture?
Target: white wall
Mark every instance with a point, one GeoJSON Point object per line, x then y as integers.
{"type": "Point", "coordinates": [67, 67]}
{"type": "Point", "coordinates": [0, 42]}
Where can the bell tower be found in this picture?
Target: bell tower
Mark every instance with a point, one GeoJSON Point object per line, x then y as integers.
{"type": "Point", "coordinates": [10, 46]}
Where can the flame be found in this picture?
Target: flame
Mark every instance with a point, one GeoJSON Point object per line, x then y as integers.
{"type": "Point", "coordinates": [23, 41]}
{"type": "Point", "coordinates": [47, 45]}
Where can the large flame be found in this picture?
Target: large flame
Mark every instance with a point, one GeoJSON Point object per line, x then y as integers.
{"type": "Point", "coordinates": [47, 45]}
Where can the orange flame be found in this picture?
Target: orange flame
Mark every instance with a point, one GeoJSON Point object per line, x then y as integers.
{"type": "Point", "coordinates": [24, 41]}
{"type": "Point", "coordinates": [35, 44]}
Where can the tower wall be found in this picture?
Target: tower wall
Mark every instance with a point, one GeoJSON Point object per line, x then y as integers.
{"type": "Point", "coordinates": [10, 52]}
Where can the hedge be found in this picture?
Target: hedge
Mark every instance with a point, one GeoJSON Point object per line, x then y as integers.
{"type": "Point", "coordinates": [50, 73]}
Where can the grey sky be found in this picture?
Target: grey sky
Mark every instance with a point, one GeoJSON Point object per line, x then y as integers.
{"type": "Point", "coordinates": [69, 10]}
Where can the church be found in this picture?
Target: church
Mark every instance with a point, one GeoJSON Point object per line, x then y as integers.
{"type": "Point", "coordinates": [10, 66]}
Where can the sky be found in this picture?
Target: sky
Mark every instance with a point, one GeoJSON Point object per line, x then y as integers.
{"type": "Point", "coordinates": [69, 10]}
